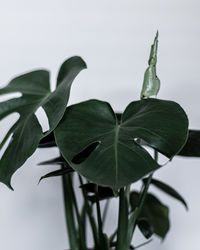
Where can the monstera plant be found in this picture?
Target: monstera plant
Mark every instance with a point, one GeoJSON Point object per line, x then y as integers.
{"type": "Point", "coordinates": [108, 151]}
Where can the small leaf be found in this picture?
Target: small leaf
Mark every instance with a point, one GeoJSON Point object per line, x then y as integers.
{"type": "Point", "coordinates": [144, 226]}
{"type": "Point", "coordinates": [169, 190]}
{"type": "Point", "coordinates": [192, 146]}
{"type": "Point", "coordinates": [114, 158]}
{"type": "Point", "coordinates": [154, 211]}
{"type": "Point", "coordinates": [58, 172]}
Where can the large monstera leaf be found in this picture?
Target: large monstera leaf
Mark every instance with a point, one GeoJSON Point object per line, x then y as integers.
{"type": "Point", "coordinates": [27, 132]}
{"type": "Point", "coordinates": [106, 152]}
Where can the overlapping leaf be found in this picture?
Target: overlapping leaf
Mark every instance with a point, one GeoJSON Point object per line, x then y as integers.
{"type": "Point", "coordinates": [192, 146]}
{"type": "Point", "coordinates": [154, 211]}
{"type": "Point", "coordinates": [114, 157]}
{"type": "Point", "coordinates": [168, 190]}
{"type": "Point", "coordinates": [145, 227]}
{"type": "Point", "coordinates": [66, 169]}
{"type": "Point", "coordinates": [103, 192]}
{"type": "Point", "coordinates": [55, 161]}
{"type": "Point", "coordinates": [48, 141]}
{"type": "Point", "coordinates": [27, 132]}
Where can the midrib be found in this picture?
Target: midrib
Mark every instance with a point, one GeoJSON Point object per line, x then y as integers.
{"type": "Point", "coordinates": [116, 151]}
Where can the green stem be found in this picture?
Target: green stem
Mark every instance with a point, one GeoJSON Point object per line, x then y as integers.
{"type": "Point", "coordinates": [100, 225]}
{"type": "Point", "coordinates": [80, 226]}
{"type": "Point", "coordinates": [122, 232]}
{"type": "Point", "coordinates": [69, 213]}
{"type": "Point", "coordinates": [103, 239]}
{"type": "Point", "coordinates": [105, 211]}
{"type": "Point", "coordinates": [141, 201]}
{"type": "Point", "coordinates": [90, 215]}
{"type": "Point", "coordinates": [83, 222]}
{"type": "Point", "coordinates": [143, 244]}
{"type": "Point", "coordinates": [112, 237]}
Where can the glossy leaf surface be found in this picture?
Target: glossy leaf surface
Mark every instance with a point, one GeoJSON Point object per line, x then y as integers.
{"type": "Point", "coordinates": [155, 212]}
{"type": "Point", "coordinates": [49, 140]}
{"type": "Point", "coordinates": [27, 132]}
{"type": "Point", "coordinates": [168, 190]}
{"type": "Point", "coordinates": [115, 159]}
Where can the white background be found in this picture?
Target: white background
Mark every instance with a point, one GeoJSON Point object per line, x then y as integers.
{"type": "Point", "coordinates": [114, 38]}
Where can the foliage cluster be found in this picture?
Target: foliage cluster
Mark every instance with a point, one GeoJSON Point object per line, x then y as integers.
{"type": "Point", "coordinates": [106, 150]}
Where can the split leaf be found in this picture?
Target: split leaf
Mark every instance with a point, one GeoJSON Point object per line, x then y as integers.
{"type": "Point", "coordinates": [27, 132]}
{"type": "Point", "coordinates": [108, 150]}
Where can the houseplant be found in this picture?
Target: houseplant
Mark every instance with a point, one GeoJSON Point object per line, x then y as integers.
{"type": "Point", "coordinates": [107, 151]}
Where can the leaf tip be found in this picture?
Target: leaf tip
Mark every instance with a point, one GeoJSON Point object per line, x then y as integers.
{"type": "Point", "coordinates": [41, 178]}
{"type": "Point", "coordinates": [157, 34]}
{"type": "Point", "coordinates": [8, 184]}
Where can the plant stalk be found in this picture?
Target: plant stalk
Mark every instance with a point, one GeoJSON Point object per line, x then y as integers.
{"type": "Point", "coordinates": [90, 216]}
{"type": "Point", "coordinates": [69, 213]}
{"type": "Point", "coordinates": [105, 211]}
{"type": "Point", "coordinates": [122, 232]}
{"type": "Point", "coordinates": [80, 226]}
{"type": "Point", "coordinates": [141, 201]}
{"type": "Point", "coordinates": [100, 224]}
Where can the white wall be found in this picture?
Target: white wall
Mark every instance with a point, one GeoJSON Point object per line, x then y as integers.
{"type": "Point", "coordinates": [114, 38]}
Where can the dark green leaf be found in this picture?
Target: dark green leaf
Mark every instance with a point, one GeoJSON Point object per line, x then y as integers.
{"type": "Point", "coordinates": [144, 226]}
{"type": "Point", "coordinates": [103, 192]}
{"type": "Point", "coordinates": [114, 157]}
{"type": "Point", "coordinates": [134, 200]}
{"type": "Point", "coordinates": [169, 190]}
{"type": "Point", "coordinates": [154, 211]}
{"type": "Point", "coordinates": [48, 141]}
{"type": "Point", "coordinates": [192, 146]}
{"type": "Point", "coordinates": [91, 188]}
{"type": "Point", "coordinates": [55, 161]}
{"type": "Point", "coordinates": [27, 132]}
{"type": "Point", "coordinates": [58, 172]}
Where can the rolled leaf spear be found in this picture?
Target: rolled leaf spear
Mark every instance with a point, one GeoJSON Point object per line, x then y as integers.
{"type": "Point", "coordinates": [151, 83]}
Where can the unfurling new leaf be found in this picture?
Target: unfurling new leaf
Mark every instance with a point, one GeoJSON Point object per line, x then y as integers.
{"type": "Point", "coordinates": [151, 83]}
